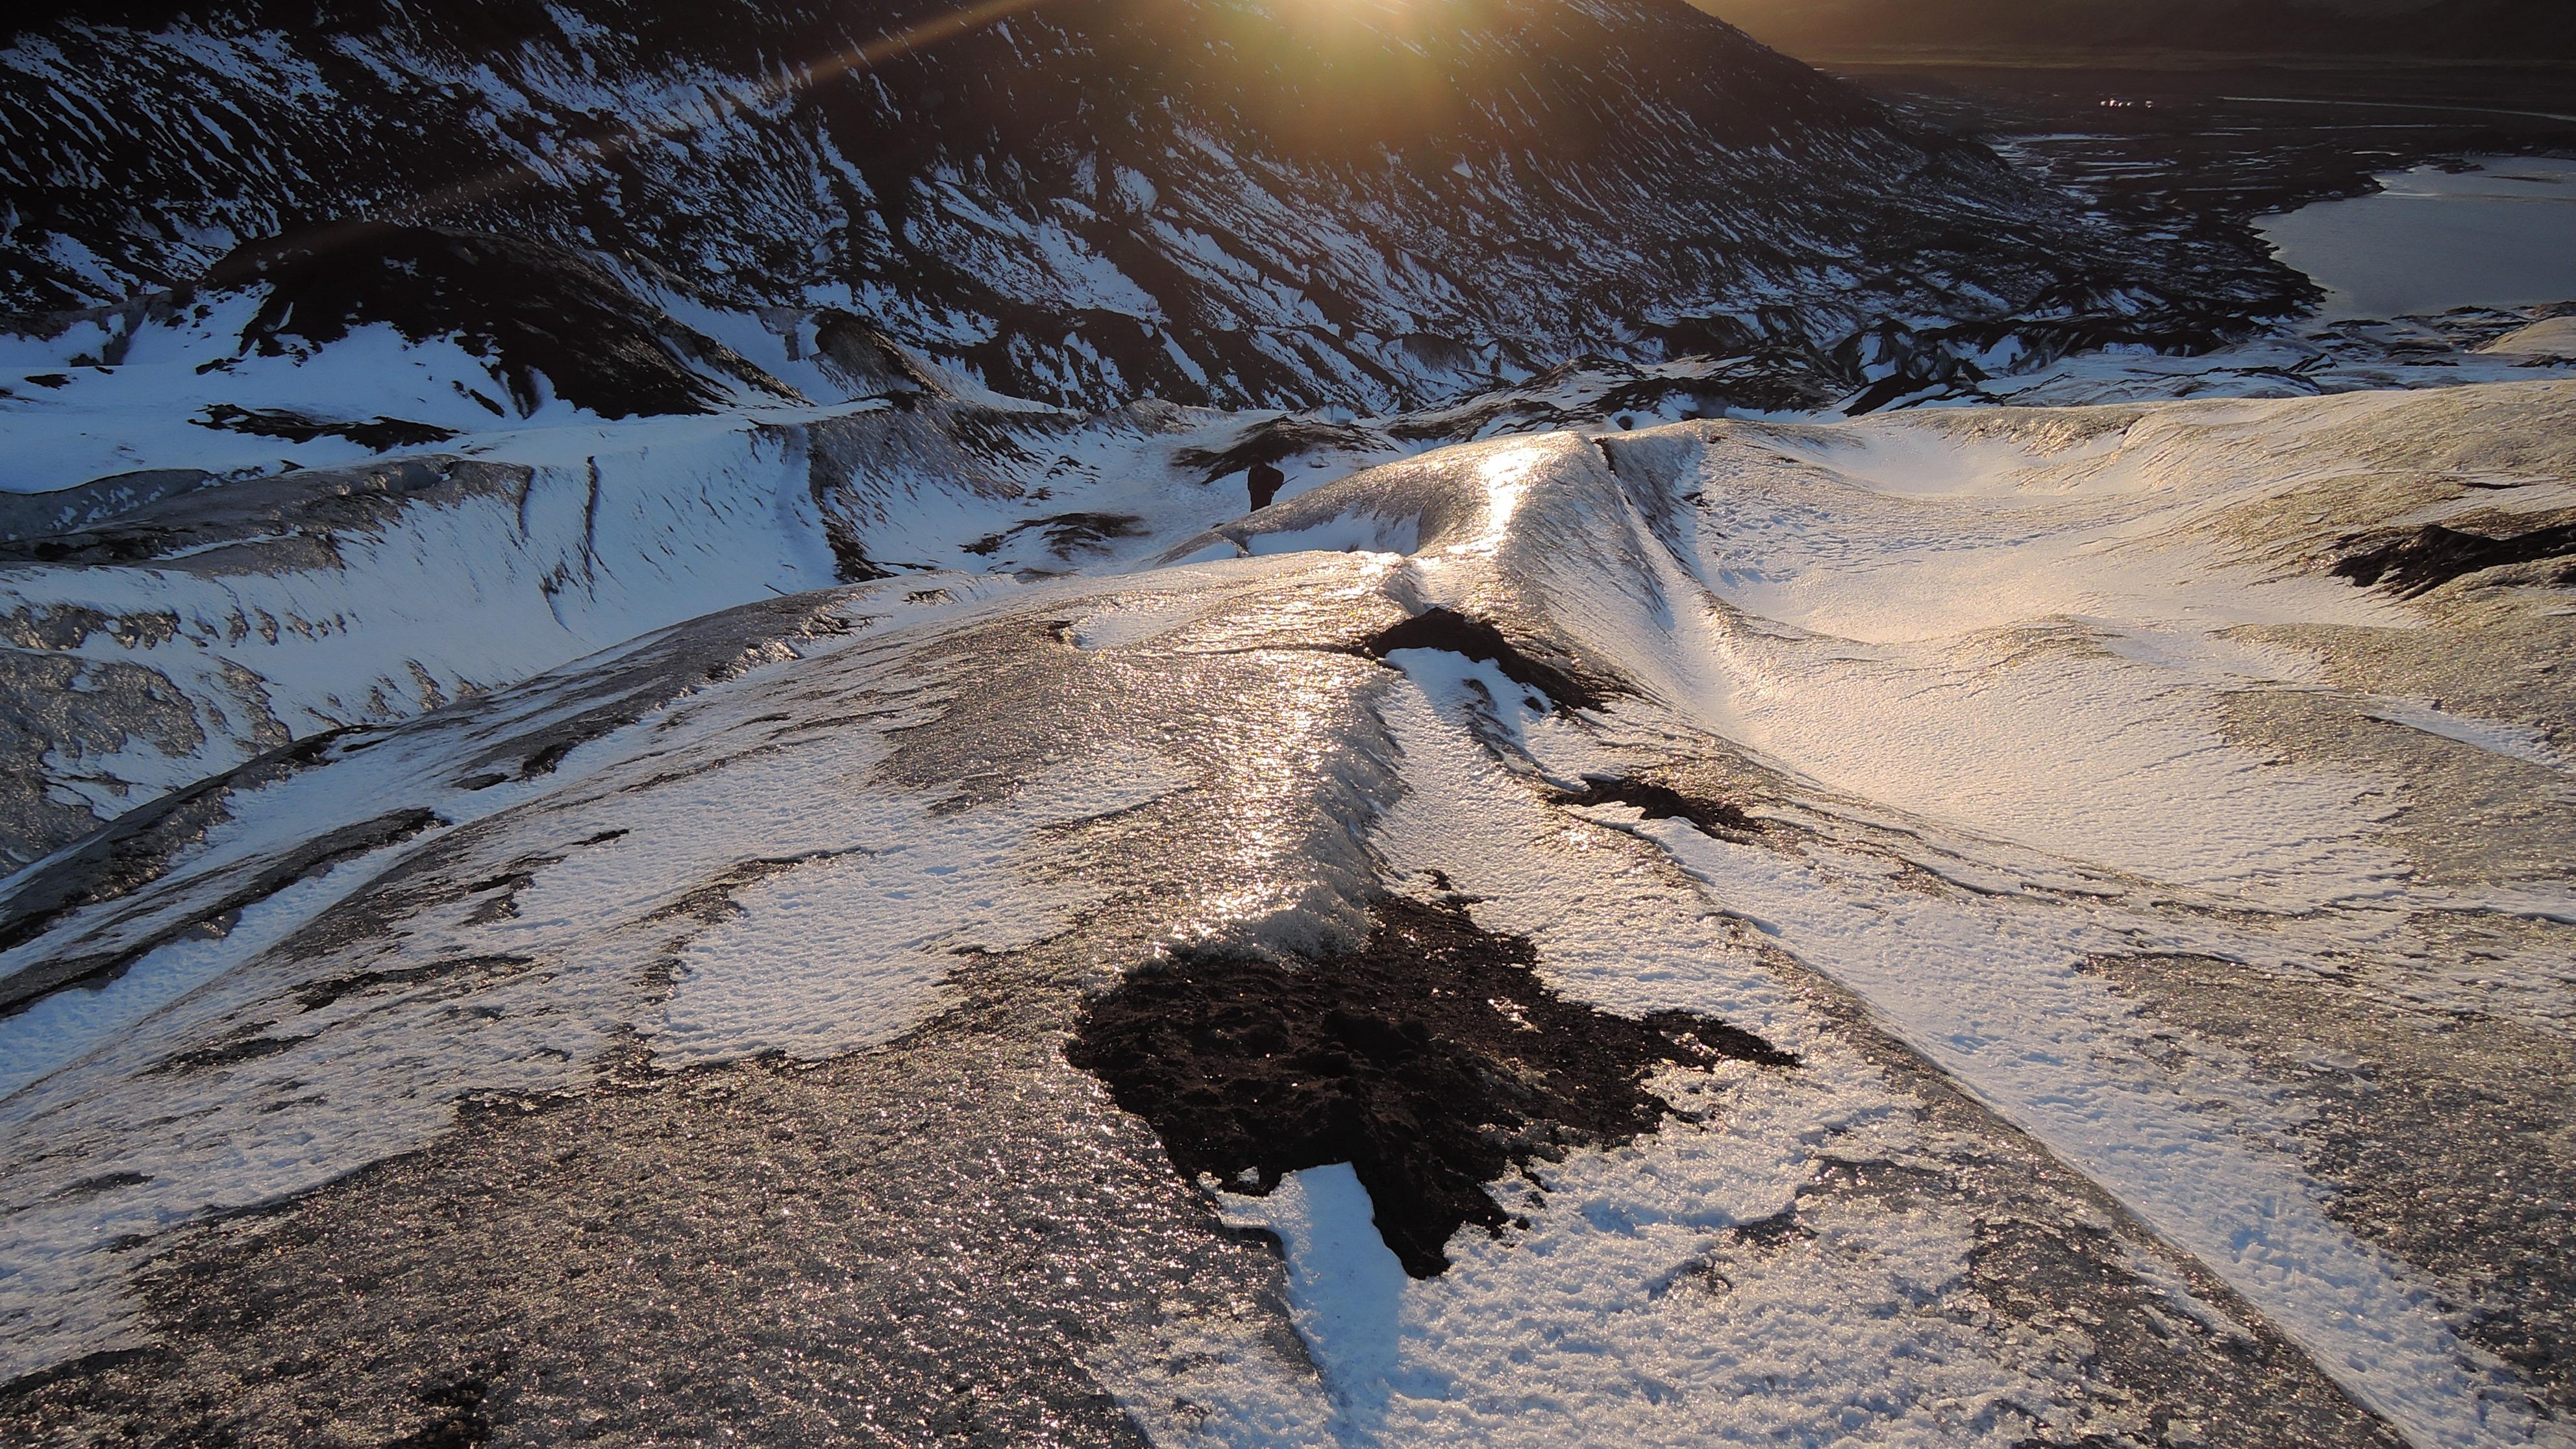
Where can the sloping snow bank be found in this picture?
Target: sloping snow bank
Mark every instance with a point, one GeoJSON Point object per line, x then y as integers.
{"type": "Point", "coordinates": [381, 592]}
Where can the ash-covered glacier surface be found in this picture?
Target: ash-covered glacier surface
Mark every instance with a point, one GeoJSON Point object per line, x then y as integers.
{"type": "Point", "coordinates": [1962, 926]}
{"type": "Point", "coordinates": [1239, 724]}
{"type": "Point", "coordinates": [279, 514]}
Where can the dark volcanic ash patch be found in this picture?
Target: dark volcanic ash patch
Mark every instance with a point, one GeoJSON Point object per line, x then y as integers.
{"type": "Point", "coordinates": [1274, 442]}
{"type": "Point", "coordinates": [1662, 802]}
{"type": "Point", "coordinates": [1262, 484]}
{"type": "Point", "coordinates": [1433, 1060]}
{"type": "Point", "coordinates": [1066, 534]}
{"type": "Point", "coordinates": [2417, 563]}
{"type": "Point", "coordinates": [382, 435]}
{"type": "Point", "coordinates": [457, 1420]}
{"type": "Point", "coordinates": [1450, 630]}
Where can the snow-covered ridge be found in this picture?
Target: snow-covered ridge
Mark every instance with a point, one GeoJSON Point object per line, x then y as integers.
{"type": "Point", "coordinates": [2017, 713]}
{"type": "Point", "coordinates": [686, 690]}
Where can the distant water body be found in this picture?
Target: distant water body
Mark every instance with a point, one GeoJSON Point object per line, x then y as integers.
{"type": "Point", "coordinates": [2503, 235]}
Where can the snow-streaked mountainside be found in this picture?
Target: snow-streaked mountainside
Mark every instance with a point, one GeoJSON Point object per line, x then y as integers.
{"type": "Point", "coordinates": [2089, 885]}
{"type": "Point", "coordinates": [1237, 204]}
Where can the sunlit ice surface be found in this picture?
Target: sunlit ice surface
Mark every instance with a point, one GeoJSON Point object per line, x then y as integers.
{"type": "Point", "coordinates": [2015, 711]}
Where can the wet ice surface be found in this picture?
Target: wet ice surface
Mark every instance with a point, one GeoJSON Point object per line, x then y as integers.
{"type": "Point", "coordinates": [2502, 234]}
{"type": "Point", "coordinates": [218, 594]}
{"type": "Point", "coordinates": [2040, 735]}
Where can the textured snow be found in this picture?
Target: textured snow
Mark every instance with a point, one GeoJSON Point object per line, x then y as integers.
{"type": "Point", "coordinates": [853, 908]}
{"type": "Point", "coordinates": [151, 408]}
{"type": "Point", "coordinates": [1977, 671]}
{"type": "Point", "coordinates": [785, 973]}
{"type": "Point", "coordinates": [617, 528]}
{"type": "Point", "coordinates": [1995, 995]}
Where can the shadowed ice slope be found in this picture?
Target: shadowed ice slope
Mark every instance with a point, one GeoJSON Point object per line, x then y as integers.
{"type": "Point", "coordinates": [679, 1041]}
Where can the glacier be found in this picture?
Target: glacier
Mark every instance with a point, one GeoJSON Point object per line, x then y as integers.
{"type": "Point", "coordinates": [2027, 741]}
{"type": "Point", "coordinates": [1249, 724]}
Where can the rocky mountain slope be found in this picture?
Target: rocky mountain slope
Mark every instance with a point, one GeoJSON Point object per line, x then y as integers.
{"type": "Point", "coordinates": [230, 590]}
{"type": "Point", "coordinates": [537, 356]}
{"type": "Point", "coordinates": [1085, 204]}
{"type": "Point", "coordinates": [687, 304]}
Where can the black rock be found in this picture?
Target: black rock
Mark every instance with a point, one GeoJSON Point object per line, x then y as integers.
{"type": "Point", "coordinates": [1263, 483]}
{"type": "Point", "coordinates": [1662, 802]}
{"type": "Point", "coordinates": [1565, 686]}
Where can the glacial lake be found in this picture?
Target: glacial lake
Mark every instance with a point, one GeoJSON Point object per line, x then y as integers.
{"type": "Point", "coordinates": [2503, 235]}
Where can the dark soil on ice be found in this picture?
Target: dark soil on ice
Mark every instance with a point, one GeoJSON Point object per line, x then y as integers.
{"type": "Point", "coordinates": [1662, 802]}
{"type": "Point", "coordinates": [1457, 633]}
{"type": "Point", "coordinates": [1433, 1060]}
{"type": "Point", "coordinates": [2413, 564]}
